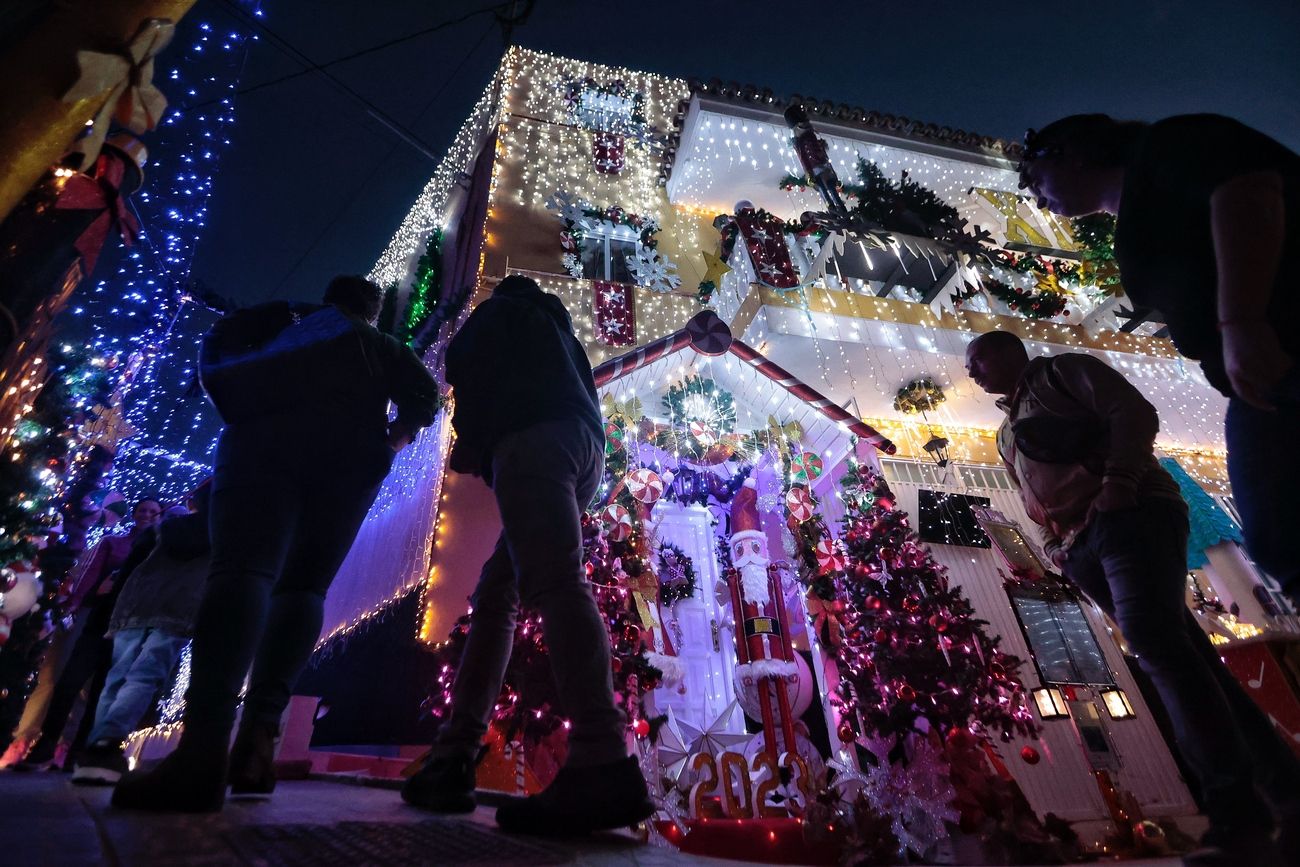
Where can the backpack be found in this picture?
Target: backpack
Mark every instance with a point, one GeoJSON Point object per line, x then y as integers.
{"type": "Point", "coordinates": [272, 357]}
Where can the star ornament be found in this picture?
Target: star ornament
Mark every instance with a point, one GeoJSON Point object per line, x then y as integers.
{"type": "Point", "coordinates": [714, 268]}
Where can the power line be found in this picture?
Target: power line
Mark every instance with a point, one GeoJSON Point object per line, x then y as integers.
{"type": "Point", "coordinates": [379, 165]}
{"type": "Point", "coordinates": [371, 50]}
{"type": "Point", "coordinates": [394, 125]}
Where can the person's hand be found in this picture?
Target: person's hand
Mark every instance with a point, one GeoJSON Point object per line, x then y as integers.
{"type": "Point", "coordinates": [1254, 360]}
{"type": "Point", "coordinates": [1113, 497]}
{"type": "Point", "coordinates": [399, 436]}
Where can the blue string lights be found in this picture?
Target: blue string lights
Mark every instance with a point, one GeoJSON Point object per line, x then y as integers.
{"type": "Point", "coordinates": [149, 316]}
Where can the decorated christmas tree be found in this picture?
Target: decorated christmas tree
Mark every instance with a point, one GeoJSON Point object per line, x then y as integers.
{"type": "Point", "coordinates": [923, 689]}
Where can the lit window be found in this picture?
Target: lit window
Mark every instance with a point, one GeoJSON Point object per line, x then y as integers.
{"type": "Point", "coordinates": [604, 254]}
{"type": "Point", "coordinates": [1051, 703]}
{"type": "Point", "coordinates": [1117, 704]}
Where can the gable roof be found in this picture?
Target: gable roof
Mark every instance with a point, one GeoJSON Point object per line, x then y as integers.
{"type": "Point", "coordinates": [759, 383]}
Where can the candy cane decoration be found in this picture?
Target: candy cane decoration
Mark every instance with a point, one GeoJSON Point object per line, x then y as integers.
{"type": "Point", "coordinates": [709, 335]}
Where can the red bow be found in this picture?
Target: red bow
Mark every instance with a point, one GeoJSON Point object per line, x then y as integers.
{"type": "Point", "coordinates": [101, 190]}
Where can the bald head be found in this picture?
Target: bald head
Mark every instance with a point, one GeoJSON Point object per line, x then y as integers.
{"type": "Point", "coordinates": [995, 360]}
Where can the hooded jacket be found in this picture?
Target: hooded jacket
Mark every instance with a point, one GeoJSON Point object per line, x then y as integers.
{"type": "Point", "coordinates": [515, 363]}
{"type": "Point", "coordinates": [163, 592]}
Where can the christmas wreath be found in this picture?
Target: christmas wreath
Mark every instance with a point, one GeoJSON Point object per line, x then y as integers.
{"type": "Point", "coordinates": [676, 574]}
{"type": "Point", "coordinates": [919, 395]}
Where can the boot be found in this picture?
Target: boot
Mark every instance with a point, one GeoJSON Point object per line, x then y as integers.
{"type": "Point", "coordinates": [191, 780]}
{"type": "Point", "coordinates": [443, 785]}
{"type": "Point", "coordinates": [252, 760]}
{"type": "Point", "coordinates": [581, 800]}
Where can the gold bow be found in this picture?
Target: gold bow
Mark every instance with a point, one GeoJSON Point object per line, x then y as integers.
{"type": "Point", "coordinates": [630, 409]}
{"type": "Point", "coordinates": [133, 99]}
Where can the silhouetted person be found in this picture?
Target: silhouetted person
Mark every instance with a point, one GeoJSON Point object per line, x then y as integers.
{"type": "Point", "coordinates": [150, 626]}
{"type": "Point", "coordinates": [304, 393]}
{"type": "Point", "coordinates": [1079, 443]}
{"type": "Point", "coordinates": [528, 421]}
{"type": "Point", "coordinates": [92, 596]}
{"type": "Point", "coordinates": [1207, 232]}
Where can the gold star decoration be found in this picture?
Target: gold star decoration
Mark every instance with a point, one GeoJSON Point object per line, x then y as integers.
{"type": "Point", "coordinates": [714, 268]}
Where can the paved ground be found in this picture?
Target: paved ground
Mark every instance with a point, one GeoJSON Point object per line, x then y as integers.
{"type": "Point", "coordinates": [47, 822]}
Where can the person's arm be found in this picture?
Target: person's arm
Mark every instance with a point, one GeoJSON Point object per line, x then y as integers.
{"type": "Point", "coordinates": [414, 391]}
{"type": "Point", "coordinates": [1131, 423]}
{"type": "Point", "coordinates": [1248, 222]}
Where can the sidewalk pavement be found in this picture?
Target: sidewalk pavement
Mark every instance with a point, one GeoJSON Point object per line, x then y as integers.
{"type": "Point", "coordinates": [45, 821]}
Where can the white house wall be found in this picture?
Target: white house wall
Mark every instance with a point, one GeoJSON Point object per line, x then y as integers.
{"type": "Point", "coordinates": [1062, 782]}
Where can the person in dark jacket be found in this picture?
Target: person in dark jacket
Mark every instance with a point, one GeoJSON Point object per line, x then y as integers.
{"type": "Point", "coordinates": [528, 421]}
{"type": "Point", "coordinates": [296, 473]}
{"type": "Point", "coordinates": [150, 626]}
{"type": "Point", "coordinates": [1079, 443]}
{"type": "Point", "coordinates": [1207, 221]}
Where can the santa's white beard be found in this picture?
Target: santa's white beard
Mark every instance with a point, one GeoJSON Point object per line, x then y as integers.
{"type": "Point", "coordinates": [753, 583]}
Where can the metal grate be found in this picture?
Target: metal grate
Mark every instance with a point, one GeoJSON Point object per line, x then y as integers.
{"type": "Point", "coordinates": [393, 844]}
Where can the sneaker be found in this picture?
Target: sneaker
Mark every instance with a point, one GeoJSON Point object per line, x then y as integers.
{"type": "Point", "coordinates": [582, 800]}
{"type": "Point", "coordinates": [101, 764]}
{"type": "Point", "coordinates": [1235, 847]}
{"type": "Point", "coordinates": [444, 785]}
{"type": "Point", "coordinates": [39, 758]}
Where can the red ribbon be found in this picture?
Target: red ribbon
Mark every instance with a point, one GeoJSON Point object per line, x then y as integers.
{"type": "Point", "coordinates": [100, 190]}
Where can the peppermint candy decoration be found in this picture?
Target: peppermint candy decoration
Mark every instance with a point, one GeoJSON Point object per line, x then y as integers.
{"type": "Point", "coordinates": [702, 433]}
{"type": "Point", "coordinates": [618, 520]}
{"type": "Point", "coordinates": [829, 557]}
{"type": "Point", "coordinates": [800, 503]}
{"type": "Point", "coordinates": [806, 467]}
{"type": "Point", "coordinates": [644, 485]}
{"type": "Point", "coordinates": [613, 438]}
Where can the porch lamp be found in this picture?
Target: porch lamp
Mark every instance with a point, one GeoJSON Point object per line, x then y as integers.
{"type": "Point", "coordinates": [1117, 704]}
{"type": "Point", "coordinates": [1051, 703]}
{"type": "Point", "coordinates": [937, 447]}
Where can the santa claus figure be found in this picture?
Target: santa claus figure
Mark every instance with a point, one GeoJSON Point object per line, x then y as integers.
{"type": "Point", "coordinates": [749, 545]}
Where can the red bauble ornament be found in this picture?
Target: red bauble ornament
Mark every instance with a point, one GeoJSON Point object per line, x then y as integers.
{"type": "Point", "coordinates": [881, 636]}
{"type": "Point", "coordinates": [1030, 755]}
{"type": "Point", "coordinates": [873, 603]}
{"type": "Point", "coordinates": [906, 693]}
{"type": "Point", "coordinates": [846, 733]}
{"type": "Point", "coordinates": [641, 728]}
{"type": "Point", "coordinates": [938, 623]}
{"type": "Point", "coordinates": [616, 664]}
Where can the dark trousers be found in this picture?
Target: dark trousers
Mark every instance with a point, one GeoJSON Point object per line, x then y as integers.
{"type": "Point", "coordinates": [543, 479]}
{"type": "Point", "coordinates": [1133, 563]}
{"type": "Point", "coordinates": [87, 667]}
{"type": "Point", "coordinates": [1265, 479]}
{"type": "Point", "coordinates": [281, 526]}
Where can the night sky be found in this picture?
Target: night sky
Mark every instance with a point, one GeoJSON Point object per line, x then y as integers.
{"type": "Point", "coordinates": [314, 186]}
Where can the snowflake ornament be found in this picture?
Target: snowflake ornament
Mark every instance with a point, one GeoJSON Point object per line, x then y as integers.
{"type": "Point", "coordinates": [568, 207]}
{"type": "Point", "coordinates": [572, 264]}
{"type": "Point", "coordinates": [653, 271]}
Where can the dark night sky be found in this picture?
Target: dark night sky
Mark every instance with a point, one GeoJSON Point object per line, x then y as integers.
{"type": "Point", "coordinates": [312, 186]}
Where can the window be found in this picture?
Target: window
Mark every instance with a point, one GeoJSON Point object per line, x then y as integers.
{"type": "Point", "coordinates": [986, 478]}
{"type": "Point", "coordinates": [603, 254]}
{"type": "Point", "coordinates": [1061, 640]}
{"type": "Point", "coordinates": [946, 519]}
